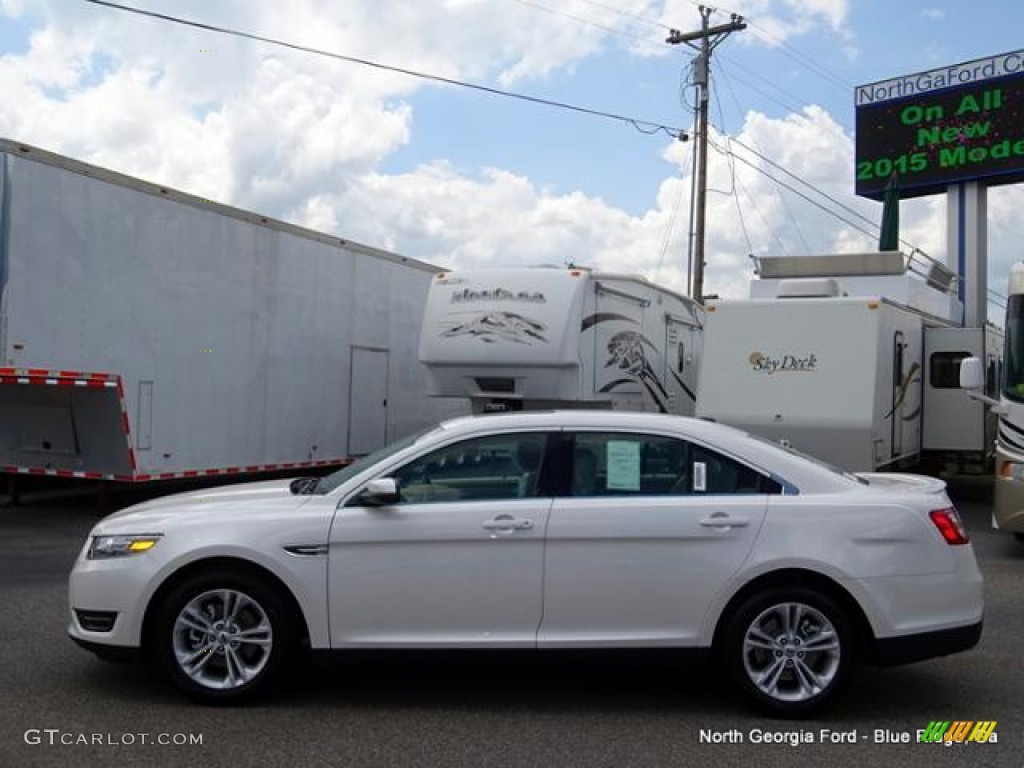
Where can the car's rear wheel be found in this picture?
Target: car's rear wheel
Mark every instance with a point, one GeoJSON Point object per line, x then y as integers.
{"type": "Point", "coordinates": [222, 635]}
{"type": "Point", "coordinates": [789, 650]}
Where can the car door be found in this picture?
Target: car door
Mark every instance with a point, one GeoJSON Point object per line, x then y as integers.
{"type": "Point", "coordinates": [457, 561]}
{"type": "Point", "coordinates": [652, 528]}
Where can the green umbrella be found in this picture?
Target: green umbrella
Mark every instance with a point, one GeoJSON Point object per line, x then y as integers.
{"type": "Point", "coordinates": [889, 237]}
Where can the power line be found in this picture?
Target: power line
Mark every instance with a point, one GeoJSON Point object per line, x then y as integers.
{"type": "Point", "coordinates": [1006, 228]}
{"type": "Point", "coordinates": [801, 58]}
{"type": "Point", "coordinates": [789, 50]}
{"type": "Point", "coordinates": [643, 126]}
{"type": "Point", "coordinates": [828, 197]}
{"type": "Point", "coordinates": [589, 23]}
{"type": "Point", "coordinates": [795, 191]}
{"type": "Point", "coordinates": [671, 222]}
{"type": "Point", "coordinates": [792, 106]}
{"type": "Point", "coordinates": [739, 208]}
{"type": "Point", "coordinates": [821, 206]}
{"type": "Point", "coordinates": [628, 15]}
{"type": "Point", "coordinates": [732, 169]}
{"type": "Point", "coordinates": [806, 183]}
{"type": "Point", "coordinates": [768, 227]}
{"type": "Point", "coordinates": [871, 233]}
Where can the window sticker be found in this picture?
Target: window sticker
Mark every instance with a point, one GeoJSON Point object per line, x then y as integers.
{"type": "Point", "coordinates": [623, 462]}
{"type": "Point", "coordinates": [700, 476]}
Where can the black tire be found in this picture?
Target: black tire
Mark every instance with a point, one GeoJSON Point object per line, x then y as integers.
{"type": "Point", "coordinates": [222, 635]}
{"type": "Point", "coordinates": [781, 677]}
{"type": "Point", "coordinates": [1019, 537]}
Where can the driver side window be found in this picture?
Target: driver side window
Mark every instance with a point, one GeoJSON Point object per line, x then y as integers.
{"type": "Point", "coordinates": [495, 467]}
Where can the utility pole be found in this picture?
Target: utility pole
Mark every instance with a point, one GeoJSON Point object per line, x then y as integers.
{"type": "Point", "coordinates": [709, 38]}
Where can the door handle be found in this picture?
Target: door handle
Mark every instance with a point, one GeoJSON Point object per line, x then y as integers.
{"type": "Point", "coordinates": [722, 520]}
{"type": "Point", "coordinates": [508, 523]}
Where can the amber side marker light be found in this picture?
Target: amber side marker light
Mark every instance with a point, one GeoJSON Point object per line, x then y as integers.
{"type": "Point", "coordinates": [950, 526]}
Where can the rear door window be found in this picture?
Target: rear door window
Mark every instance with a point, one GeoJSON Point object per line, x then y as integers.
{"type": "Point", "coordinates": [635, 464]}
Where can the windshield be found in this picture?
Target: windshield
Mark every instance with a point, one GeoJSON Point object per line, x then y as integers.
{"type": "Point", "coordinates": [1013, 367]}
{"type": "Point", "coordinates": [335, 479]}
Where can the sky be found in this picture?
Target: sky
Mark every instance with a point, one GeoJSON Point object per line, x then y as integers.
{"type": "Point", "coordinates": [461, 177]}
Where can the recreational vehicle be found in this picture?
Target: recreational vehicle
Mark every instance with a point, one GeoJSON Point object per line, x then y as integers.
{"type": "Point", "coordinates": [851, 358]}
{"type": "Point", "coordinates": [1007, 400]}
{"type": "Point", "coordinates": [540, 337]}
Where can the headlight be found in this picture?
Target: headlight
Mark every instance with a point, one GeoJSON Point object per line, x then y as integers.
{"type": "Point", "coordinates": [103, 547]}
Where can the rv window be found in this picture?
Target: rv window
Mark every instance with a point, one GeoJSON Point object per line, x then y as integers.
{"type": "Point", "coordinates": [945, 369]}
{"type": "Point", "coordinates": [992, 377]}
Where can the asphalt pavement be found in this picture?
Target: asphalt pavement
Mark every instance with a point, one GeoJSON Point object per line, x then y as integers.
{"type": "Point", "coordinates": [61, 706]}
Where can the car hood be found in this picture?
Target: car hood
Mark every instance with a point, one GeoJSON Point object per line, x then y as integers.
{"type": "Point", "coordinates": [896, 481]}
{"type": "Point", "coordinates": [228, 500]}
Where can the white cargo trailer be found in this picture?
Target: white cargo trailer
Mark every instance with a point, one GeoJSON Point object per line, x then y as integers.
{"type": "Point", "coordinates": [148, 334]}
{"type": "Point", "coordinates": [835, 366]}
{"type": "Point", "coordinates": [541, 337]}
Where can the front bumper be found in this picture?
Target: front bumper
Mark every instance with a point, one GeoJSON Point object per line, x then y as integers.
{"type": "Point", "coordinates": [109, 652]}
{"type": "Point", "coordinates": [107, 599]}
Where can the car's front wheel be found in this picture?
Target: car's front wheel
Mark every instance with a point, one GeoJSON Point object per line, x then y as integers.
{"type": "Point", "coordinates": [221, 635]}
{"type": "Point", "coordinates": [789, 650]}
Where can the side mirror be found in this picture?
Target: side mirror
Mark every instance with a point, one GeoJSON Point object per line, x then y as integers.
{"type": "Point", "coordinates": [972, 381]}
{"type": "Point", "coordinates": [380, 492]}
{"type": "Point", "coordinates": [972, 373]}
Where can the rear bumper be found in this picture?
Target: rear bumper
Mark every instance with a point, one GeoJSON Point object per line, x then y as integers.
{"type": "Point", "coordinates": [892, 651]}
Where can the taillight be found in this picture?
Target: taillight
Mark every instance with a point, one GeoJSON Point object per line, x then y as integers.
{"type": "Point", "coordinates": [950, 526]}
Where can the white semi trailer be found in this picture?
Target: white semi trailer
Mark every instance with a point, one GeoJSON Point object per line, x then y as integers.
{"type": "Point", "coordinates": [148, 334]}
{"type": "Point", "coordinates": [851, 358]}
{"type": "Point", "coordinates": [546, 337]}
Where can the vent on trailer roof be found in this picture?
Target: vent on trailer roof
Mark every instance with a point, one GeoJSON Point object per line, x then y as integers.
{"type": "Point", "coordinates": [811, 288]}
{"type": "Point", "coordinates": [496, 384]}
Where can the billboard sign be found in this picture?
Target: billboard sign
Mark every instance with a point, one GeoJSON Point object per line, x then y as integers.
{"type": "Point", "coordinates": [963, 122]}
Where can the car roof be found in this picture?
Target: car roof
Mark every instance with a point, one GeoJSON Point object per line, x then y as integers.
{"type": "Point", "coordinates": [589, 418]}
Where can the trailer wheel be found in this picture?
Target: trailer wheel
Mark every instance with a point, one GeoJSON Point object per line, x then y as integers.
{"type": "Point", "coordinates": [222, 635]}
{"type": "Point", "coordinates": [789, 650]}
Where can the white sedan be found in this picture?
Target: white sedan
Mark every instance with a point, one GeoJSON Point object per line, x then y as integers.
{"type": "Point", "coordinates": [576, 529]}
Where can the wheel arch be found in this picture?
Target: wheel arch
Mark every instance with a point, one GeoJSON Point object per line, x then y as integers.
{"type": "Point", "coordinates": [864, 637]}
{"type": "Point", "coordinates": [300, 625]}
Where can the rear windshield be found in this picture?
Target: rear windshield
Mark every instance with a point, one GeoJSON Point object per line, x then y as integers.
{"type": "Point", "coordinates": [807, 457]}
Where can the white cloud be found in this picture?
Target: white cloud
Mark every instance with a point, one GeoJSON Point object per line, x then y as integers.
{"type": "Point", "coordinates": [13, 7]}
